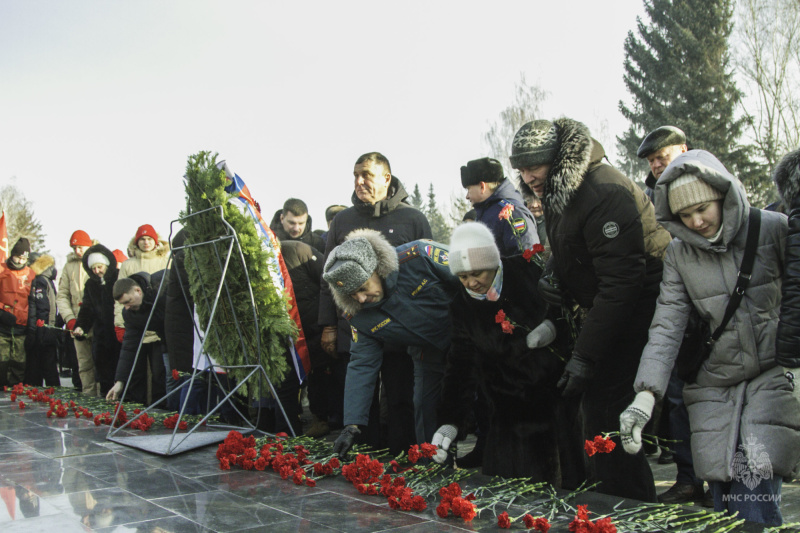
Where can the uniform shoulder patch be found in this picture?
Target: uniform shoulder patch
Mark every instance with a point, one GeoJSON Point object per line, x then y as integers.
{"type": "Point", "coordinates": [407, 254]}
{"type": "Point", "coordinates": [439, 255]}
{"type": "Point", "coordinates": [610, 229]}
{"type": "Point", "coordinates": [519, 225]}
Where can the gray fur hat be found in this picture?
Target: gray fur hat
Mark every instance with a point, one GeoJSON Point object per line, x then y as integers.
{"type": "Point", "coordinates": [660, 138]}
{"type": "Point", "coordinates": [483, 169]}
{"type": "Point", "coordinates": [472, 248]}
{"type": "Point", "coordinates": [350, 265]}
{"type": "Point", "coordinates": [536, 143]}
{"type": "Point", "coordinates": [787, 178]}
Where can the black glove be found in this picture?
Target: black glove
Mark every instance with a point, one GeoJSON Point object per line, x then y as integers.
{"type": "Point", "coordinates": [7, 319]}
{"type": "Point", "coordinates": [576, 377]}
{"type": "Point", "coordinates": [550, 289]}
{"type": "Point", "coordinates": [344, 441]}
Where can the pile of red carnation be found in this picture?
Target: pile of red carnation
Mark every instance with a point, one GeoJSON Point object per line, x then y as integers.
{"type": "Point", "coordinates": [582, 524]}
{"type": "Point", "coordinates": [452, 501]}
{"type": "Point", "coordinates": [239, 450]}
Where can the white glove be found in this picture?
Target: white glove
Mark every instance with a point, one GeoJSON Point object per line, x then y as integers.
{"type": "Point", "coordinates": [443, 438]}
{"type": "Point", "coordinates": [633, 419]}
{"type": "Point", "coordinates": [542, 335]}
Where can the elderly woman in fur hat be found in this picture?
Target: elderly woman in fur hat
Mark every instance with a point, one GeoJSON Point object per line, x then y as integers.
{"type": "Point", "coordinates": [391, 296]}
{"type": "Point", "coordinates": [744, 418]}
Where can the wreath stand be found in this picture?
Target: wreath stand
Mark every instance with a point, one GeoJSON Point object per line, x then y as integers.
{"type": "Point", "coordinates": [226, 248]}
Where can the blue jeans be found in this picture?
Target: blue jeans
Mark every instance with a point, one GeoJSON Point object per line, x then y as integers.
{"type": "Point", "coordinates": [761, 504]}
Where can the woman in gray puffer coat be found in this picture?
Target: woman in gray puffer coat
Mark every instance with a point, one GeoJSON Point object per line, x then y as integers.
{"type": "Point", "coordinates": [745, 422]}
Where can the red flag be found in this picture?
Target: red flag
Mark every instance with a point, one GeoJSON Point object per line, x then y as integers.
{"type": "Point", "coordinates": [3, 239]}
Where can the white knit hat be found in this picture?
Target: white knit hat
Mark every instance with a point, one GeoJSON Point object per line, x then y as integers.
{"type": "Point", "coordinates": [472, 248]}
{"type": "Point", "coordinates": [97, 258]}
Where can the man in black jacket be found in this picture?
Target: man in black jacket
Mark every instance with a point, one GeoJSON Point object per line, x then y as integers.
{"type": "Point", "coordinates": [137, 294]}
{"type": "Point", "coordinates": [607, 251]}
{"type": "Point", "coordinates": [293, 223]}
{"type": "Point", "coordinates": [379, 203]}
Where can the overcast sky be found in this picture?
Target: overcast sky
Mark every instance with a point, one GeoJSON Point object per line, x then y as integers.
{"type": "Point", "coordinates": [102, 102]}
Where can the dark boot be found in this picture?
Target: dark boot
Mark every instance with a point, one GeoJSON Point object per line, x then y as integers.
{"type": "Point", "coordinates": [682, 493]}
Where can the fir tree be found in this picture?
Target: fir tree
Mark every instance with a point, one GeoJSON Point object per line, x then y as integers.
{"type": "Point", "coordinates": [678, 72]}
{"type": "Point", "coordinates": [20, 219]}
{"type": "Point", "coordinates": [416, 198]}
{"type": "Point", "coordinates": [439, 228]}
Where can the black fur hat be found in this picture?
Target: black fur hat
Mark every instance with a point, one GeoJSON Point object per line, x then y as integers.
{"type": "Point", "coordinates": [483, 169]}
{"type": "Point", "coordinates": [660, 138]}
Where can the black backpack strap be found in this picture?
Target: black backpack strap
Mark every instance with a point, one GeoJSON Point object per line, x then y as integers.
{"type": "Point", "coordinates": [745, 271]}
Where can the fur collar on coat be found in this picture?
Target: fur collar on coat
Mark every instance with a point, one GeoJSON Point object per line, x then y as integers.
{"type": "Point", "coordinates": [161, 249]}
{"type": "Point", "coordinates": [787, 177]}
{"type": "Point", "coordinates": [41, 264]}
{"type": "Point", "coordinates": [387, 263]}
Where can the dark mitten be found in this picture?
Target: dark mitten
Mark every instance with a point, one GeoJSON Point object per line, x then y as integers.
{"type": "Point", "coordinates": [576, 377]}
{"type": "Point", "coordinates": [345, 440]}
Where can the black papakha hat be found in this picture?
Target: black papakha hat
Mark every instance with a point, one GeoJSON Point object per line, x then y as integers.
{"type": "Point", "coordinates": [659, 138]}
{"type": "Point", "coordinates": [483, 169]}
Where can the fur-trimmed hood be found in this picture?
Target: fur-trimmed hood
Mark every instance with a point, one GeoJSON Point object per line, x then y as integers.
{"type": "Point", "coordinates": [387, 265]}
{"type": "Point", "coordinates": [576, 154]}
{"type": "Point", "coordinates": [161, 249]}
{"type": "Point", "coordinates": [111, 271]}
{"type": "Point", "coordinates": [787, 177]}
{"type": "Point", "coordinates": [42, 263]}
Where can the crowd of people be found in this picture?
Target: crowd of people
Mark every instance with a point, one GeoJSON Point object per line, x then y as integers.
{"type": "Point", "coordinates": [556, 313]}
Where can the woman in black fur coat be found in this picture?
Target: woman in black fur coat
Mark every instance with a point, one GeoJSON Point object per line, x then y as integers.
{"type": "Point", "coordinates": [514, 362]}
{"type": "Point", "coordinates": [96, 314]}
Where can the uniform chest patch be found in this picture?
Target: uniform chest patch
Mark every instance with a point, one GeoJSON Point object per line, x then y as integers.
{"type": "Point", "coordinates": [610, 229]}
{"type": "Point", "coordinates": [382, 324]}
{"type": "Point", "coordinates": [354, 333]}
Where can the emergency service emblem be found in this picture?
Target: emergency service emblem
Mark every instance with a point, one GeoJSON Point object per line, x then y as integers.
{"type": "Point", "coordinates": [354, 333]}
{"type": "Point", "coordinates": [437, 254]}
{"type": "Point", "coordinates": [610, 229]}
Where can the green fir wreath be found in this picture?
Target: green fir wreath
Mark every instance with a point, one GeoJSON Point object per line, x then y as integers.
{"type": "Point", "coordinates": [228, 344]}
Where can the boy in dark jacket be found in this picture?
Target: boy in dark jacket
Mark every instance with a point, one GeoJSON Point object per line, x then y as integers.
{"type": "Point", "coordinates": [41, 344]}
{"type": "Point", "coordinates": [490, 193]}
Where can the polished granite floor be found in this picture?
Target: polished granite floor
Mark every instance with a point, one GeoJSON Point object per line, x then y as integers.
{"type": "Point", "coordinates": [62, 475]}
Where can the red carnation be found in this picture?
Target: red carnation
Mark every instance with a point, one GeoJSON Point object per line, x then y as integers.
{"type": "Point", "coordinates": [175, 375]}
{"type": "Point", "coordinates": [503, 521]}
{"type": "Point", "coordinates": [590, 448]}
{"type": "Point", "coordinates": [500, 317]}
{"type": "Point", "coordinates": [507, 326]}
{"type": "Point", "coordinates": [505, 213]}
